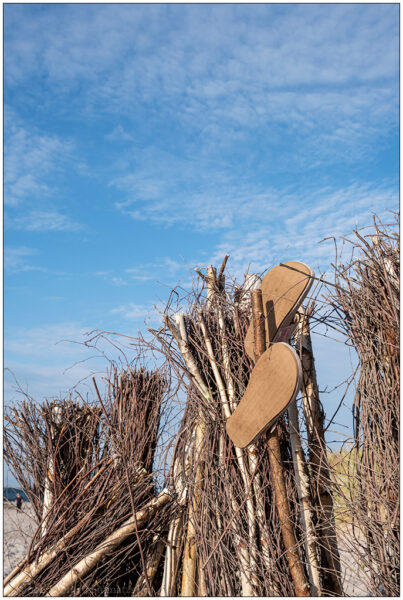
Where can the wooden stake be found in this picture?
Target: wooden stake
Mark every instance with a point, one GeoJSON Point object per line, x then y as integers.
{"type": "Point", "coordinates": [211, 285]}
{"type": "Point", "coordinates": [57, 415]}
{"type": "Point", "coordinates": [277, 470]}
{"type": "Point", "coordinates": [302, 484]}
{"type": "Point", "coordinates": [258, 323]}
{"type": "Point", "coordinates": [318, 460]}
{"type": "Point", "coordinates": [168, 586]}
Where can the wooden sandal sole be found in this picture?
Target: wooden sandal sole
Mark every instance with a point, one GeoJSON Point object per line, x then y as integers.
{"type": "Point", "coordinates": [274, 383]}
{"type": "Point", "coordinates": [284, 288]}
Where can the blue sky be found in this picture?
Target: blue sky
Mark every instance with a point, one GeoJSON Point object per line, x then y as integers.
{"type": "Point", "coordinates": [144, 140]}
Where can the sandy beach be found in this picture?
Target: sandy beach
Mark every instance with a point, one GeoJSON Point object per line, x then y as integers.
{"type": "Point", "coordinates": [355, 579]}
{"type": "Point", "coordinates": [18, 529]}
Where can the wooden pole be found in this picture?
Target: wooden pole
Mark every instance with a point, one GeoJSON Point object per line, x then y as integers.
{"type": "Point", "coordinates": [190, 555]}
{"type": "Point", "coordinates": [56, 417]}
{"type": "Point", "coordinates": [306, 509]}
{"type": "Point", "coordinates": [277, 469]}
{"type": "Point", "coordinates": [318, 460]}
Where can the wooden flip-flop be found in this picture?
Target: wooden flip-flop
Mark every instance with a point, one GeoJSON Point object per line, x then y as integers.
{"type": "Point", "coordinates": [284, 288]}
{"type": "Point", "coordinates": [274, 383]}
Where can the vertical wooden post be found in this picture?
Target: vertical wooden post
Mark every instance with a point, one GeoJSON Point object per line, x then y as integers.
{"type": "Point", "coordinates": [277, 469]}
{"type": "Point", "coordinates": [211, 285]}
{"type": "Point", "coordinates": [304, 497]}
{"type": "Point", "coordinates": [190, 554]}
{"type": "Point", "coordinates": [56, 413]}
{"type": "Point", "coordinates": [318, 460]}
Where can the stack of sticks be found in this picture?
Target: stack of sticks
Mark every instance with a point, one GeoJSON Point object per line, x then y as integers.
{"type": "Point", "coordinates": [258, 521]}
{"type": "Point", "coordinates": [228, 522]}
{"type": "Point", "coordinates": [88, 472]}
{"type": "Point", "coordinates": [366, 305]}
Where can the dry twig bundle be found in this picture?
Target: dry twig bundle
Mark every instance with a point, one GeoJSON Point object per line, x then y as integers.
{"type": "Point", "coordinates": [234, 522]}
{"type": "Point", "coordinates": [227, 541]}
{"type": "Point", "coordinates": [96, 464]}
{"type": "Point", "coordinates": [366, 303]}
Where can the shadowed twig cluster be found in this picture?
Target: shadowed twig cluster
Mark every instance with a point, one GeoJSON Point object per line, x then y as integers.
{"type": "Point", "coordinates": [366, 305]}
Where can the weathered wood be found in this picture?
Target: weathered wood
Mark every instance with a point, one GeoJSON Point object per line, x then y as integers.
{"type": "Point", "coordinates": [283, 510]}
{"type": "Point", "coordinates": [190, 553]}
{"type": "Point", "coordinates": [153, 561]}
{"type": "Point", "coordinates": [57, 416]}
{"type": "Point", "coordinates": [247, 555]}
{"type": "Point", "coordinates": [169, 582]}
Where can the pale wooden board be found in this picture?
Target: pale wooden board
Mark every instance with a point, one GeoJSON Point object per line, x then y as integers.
{"type": "Point", "coordinates": [283, 291]}
{"type": "Point", "coordinates": [273, 384]}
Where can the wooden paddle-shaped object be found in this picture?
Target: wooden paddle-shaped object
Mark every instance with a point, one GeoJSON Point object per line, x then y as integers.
{"type": "Point", "coordinates": [273, 384]}
{"type": "Point", "coordinates": [284, 288]}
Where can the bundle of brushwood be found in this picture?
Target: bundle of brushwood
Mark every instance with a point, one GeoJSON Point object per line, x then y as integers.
{"type": "Point", "coordinates": [88, 471]}
{"type": "Point", "coordinates": [256, 521]}
{"type": "Point", "coordinates": [230, 521]}
{"type": "Point", "coordinates": [366, 302]}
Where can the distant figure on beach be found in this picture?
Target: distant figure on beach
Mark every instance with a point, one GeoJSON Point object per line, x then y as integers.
{"type": "Point", "coordinates": [18, 501]}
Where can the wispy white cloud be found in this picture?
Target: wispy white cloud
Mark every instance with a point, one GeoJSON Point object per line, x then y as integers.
{"type": "Point", "coordinates": [44, 221]}
{"type": "Point", "coordinates": [17, 259]}
{"type": "Point", "coordinates": [212, 199]}
{"type": "Point", "coordinates": [137, 312]}
{"type": "Point", "coordinates": [42, 381]}
{"type": "Point", "coordinates": [119, 134]}
{"type": "Point", "coordinates": [151, 270]}
{"type": "Point", "coordinates": [48, 360]}
{"type": "Point", "coordinates": [33, 161]}
{"type": "Point", "coordinates": [109, 277]}
{"type": "Point", "coordinates": [163, 188]}
{"type": "Point", "coordinates": [295, 230]}
{"type": "Point", "coordinates": [139, 274]}
{"type": "Point", "coordinates": [52, 341]}
{"type": "Point", "coordinates": [337, 70]}
{"type": "Point", "coordinates": [119, 281]}
{"type": "Point", "coordinates": [159, 269]}
{"type": "Point", "coordinates": [29, 158]}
